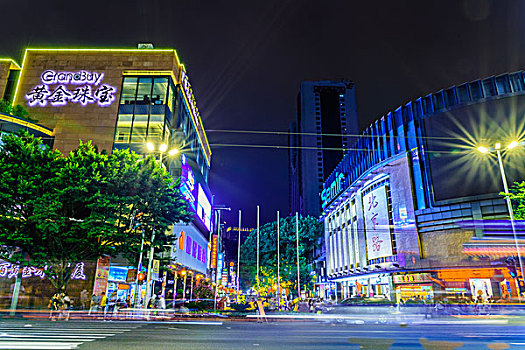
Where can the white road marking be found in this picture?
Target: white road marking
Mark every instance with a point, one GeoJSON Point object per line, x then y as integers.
{"type": "Point", "coordinates": [54, 336]}
{"type": "Point", "coordinates": [39, 345]}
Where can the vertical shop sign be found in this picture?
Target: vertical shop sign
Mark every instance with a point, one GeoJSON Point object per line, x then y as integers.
{"type": "Point", "coordinates": [102, 275]}
{"type": "Point", "coordinates": [377, 224]}
{"type": "Point", "coordinates": [155, 270]}
{"type": "Point", "coordinates": [220, 261]}
{"type": "Point", "coordinates": [214, 251]}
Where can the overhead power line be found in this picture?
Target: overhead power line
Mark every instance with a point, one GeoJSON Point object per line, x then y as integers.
{"type": "Point", "coordinates": [266, 132]}
{"type": "Point", "coordinates": [314, 148]}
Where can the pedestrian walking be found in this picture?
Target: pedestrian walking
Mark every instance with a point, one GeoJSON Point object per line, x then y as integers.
{"type": "Point", "coordinates": [111, 306]}
{"type": "Point", "coordinates": [84, 298]}
{"type": "Point", "coordinates": [55, 304]}
{"type": "Point", "coordinates": [66, 306]}
{"type": "Point", "coordinates": [103, 303]}
{"type": "Point", "coordinates": [94, 303]}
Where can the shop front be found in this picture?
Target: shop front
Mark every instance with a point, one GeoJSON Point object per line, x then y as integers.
{"type": "Point", "coordinates": [368, 286]}
{"type": "Point", "coordinates": [479, 283]}
{"type": "Point", "coordinates": [121, 280]}
{"type": "Point", "coordinates": [414, 287]}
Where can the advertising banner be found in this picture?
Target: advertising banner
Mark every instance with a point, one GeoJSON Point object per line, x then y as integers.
{"type": "Point", "coordinates": [377, 224]}
{"type": "Point", "coordinates": [188, 185]}
{"type": "Point", "coordinates": [480, 288]}
{"type": "Point", "coordinates": [204, 208]}
{"type": "Point", "coordinates": [155, 270]}
{"type": "Point", "coordinates": [131, 276]}
{"type": "Point", "coordinates": [215, 242]}
{"type": "Point", "coordinates": [102, 275]}
{"type": "Point", "coordinates": [220, 261]}
{"type": "Point", "coordinates": [191, 248]}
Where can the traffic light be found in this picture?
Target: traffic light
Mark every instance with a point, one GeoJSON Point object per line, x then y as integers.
{"type": "Point", "coordinates": [511, 266]}
{"type": "Point", "coordinates": [135, 220]}
{"type": "Point", "coordinates": [521, 285]}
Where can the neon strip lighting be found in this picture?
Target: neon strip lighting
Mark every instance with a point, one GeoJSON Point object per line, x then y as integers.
{"type": "Point", "coordinates": [194, 111]}
{"type": "Point", "coordinates": [14, 65]}
{"type": "Point", "coordinates": [26, 124]}
{"type": "Point", "coordinates": [81, 50]}
{"type": "Point", "coordinates": [152, 73]}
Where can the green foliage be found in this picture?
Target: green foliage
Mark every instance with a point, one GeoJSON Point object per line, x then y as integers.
{"type": "Point", "coordinates": [56, 210]}
{"type": "Point", "coordinates": [517, 197]}
{"type": "Point", "coordinates": [18, 110]}
{"type": "Point", "coordinates": [310, 229]}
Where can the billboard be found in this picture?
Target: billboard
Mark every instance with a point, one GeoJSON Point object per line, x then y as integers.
{"type": "Point", "coordinates": [191, 248]}
{"type": "Point", "coordinates": [377, 224]}
{"type": "Point", "coordinates": [204, 208]}
{"type": "Point", "coordinates": [187, 185]}
{"type": "Point", "coordinates": [194, 193]}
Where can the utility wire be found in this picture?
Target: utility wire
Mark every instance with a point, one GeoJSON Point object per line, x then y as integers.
{"type": "Point", "coordinates": [315, 148]}
{"type": "Point", "coordinates": [320, 134]}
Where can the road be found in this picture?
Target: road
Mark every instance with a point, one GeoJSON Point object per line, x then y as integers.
{"type": "Point", "coordinates": [91, 335]}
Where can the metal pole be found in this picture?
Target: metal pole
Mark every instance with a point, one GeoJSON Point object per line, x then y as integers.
{"type": "Point", "coordinates": [184, 288]}
{"type": "Point", "coordinates": [258, 296]}
{"type": "Point", "coordinates": [218, 217]}
{"type": "Point", "coordinates": [175, 288]}
{"type": "Point", "coordinates": [150, 263]}
{"type": "Point", "coordinates": [278, 274]}
{"type": "Point", "coordinates": [238, 256]}
{"type": "Point", "coordinates": [191, 287]}
{"type": "Point", "coordinates": [16, 291]}
{"type": "Point", "coordinates": [298, 273]}
{"type": "Point", "coordinates": [511, 214]}
{"type": "Point", "coordinates": [139, 267]}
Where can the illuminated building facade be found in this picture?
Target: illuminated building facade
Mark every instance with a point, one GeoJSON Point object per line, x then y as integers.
{"type": "Point", "coordinates": [413, 211]}
{"type": "Point", "coordinates": [122, 98]}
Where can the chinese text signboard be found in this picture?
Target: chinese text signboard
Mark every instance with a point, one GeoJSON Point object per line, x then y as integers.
{"type": "Point", "coordinates": [10, 271]}
{"type": "Point", "coordinates": [214, 251]}
{"type": "Point", "coordinates": [412, 278]}
{"type": "Point", "coordinates": [61, 88]}
{"type": "Point", "coordinates": [377, 225]}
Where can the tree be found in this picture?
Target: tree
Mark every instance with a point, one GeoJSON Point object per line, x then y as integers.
{"type": "Point", "coordinates": [56, 211]}
{"type": "Point", "coordinates": [517, 197]}
{"type": "Point", "coordinates": [310, 229]}
{"type": "Point", "coordinates": [18, 110]}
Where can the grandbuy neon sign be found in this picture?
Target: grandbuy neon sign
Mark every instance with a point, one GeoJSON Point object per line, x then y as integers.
{"type": "Point", "coordinates": [41, 94]}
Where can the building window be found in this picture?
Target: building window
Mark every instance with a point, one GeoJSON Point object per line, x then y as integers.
{"type": "Point", "coordinates": [463, 94]}
{"type": "Point", "coordinates": [142, 112]}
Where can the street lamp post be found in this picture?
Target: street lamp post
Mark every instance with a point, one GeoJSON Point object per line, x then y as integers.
{"type": "Point", "coordinates": [497, 148]}
{"type": "Point", "coordinates": [217, 209]}
{"type": "Point", "coordinates": [162, 149]}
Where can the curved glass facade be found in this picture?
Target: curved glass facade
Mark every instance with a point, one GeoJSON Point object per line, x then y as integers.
{"type": "Point", "coordinates": [437, 130]}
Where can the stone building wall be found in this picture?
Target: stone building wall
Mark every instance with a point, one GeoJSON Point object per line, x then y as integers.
{"type": "Point", "coordinates": [74, 122]}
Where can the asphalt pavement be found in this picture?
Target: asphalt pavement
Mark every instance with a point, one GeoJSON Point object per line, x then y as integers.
{"type": "Point", "coordinates": [285, 334]}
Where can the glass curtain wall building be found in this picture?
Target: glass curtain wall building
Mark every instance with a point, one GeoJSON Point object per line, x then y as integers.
{"type": "Point", "coordinates": [410, 210]}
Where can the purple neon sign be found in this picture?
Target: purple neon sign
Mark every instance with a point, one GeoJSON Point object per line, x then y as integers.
{"type": "Point", "coordinates": [89, 91]}
{"type": "Point", "coordinates": [10, 271]}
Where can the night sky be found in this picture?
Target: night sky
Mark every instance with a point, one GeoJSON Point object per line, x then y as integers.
{"type": "Point", "coordinates": [246, 60]}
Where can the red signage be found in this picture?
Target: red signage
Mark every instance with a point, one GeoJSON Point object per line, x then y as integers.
{"type": "Point", "coordinates": [215, 242]}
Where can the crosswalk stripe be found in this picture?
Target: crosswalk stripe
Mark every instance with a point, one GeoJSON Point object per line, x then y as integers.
{"type": "Point", "coordinates": [55, 336]}
{"type": "Point", "coordinates": [39, 345]}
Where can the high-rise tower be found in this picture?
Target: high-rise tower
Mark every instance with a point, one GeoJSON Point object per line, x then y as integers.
{"type": "Point", "coordinates": [326, 121]}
